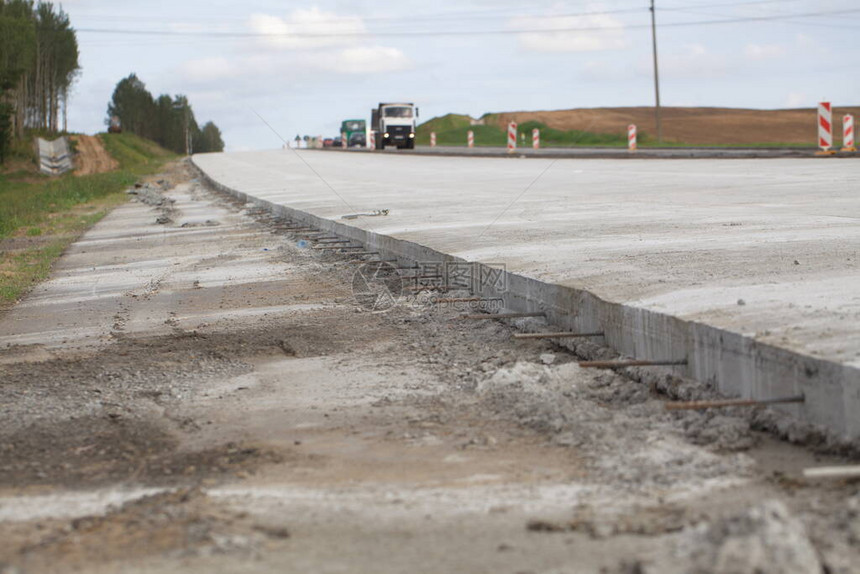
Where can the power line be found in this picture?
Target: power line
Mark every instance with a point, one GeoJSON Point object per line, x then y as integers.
{"type": "Point", "coordinates": [367, 34]}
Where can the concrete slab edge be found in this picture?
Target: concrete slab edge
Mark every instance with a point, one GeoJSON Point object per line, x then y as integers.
{"type": "Point", "coordinates": [729, 363]}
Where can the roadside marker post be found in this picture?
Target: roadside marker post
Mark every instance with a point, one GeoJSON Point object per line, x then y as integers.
{"type": "Point", "coordinates": [371, 141]}
{"type": "Point", "coordinates": [470, 139]}
{"type": "Point", "coordinates": [512, 137]}
{"type": "Point", "coordinates": [535, 138]}
{"type": "Point", "coordinates": [825, 129]}
{"type": "Point", "coordinates": [432, 139]}
{"type": "Point", "coordinates": [343, 140]}
{"type": "Point", "coordinates": [848, 133]}
{"type": "Point", "coordinates": [631, 138]}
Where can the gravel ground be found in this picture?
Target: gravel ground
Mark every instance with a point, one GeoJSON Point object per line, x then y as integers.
{"type": "Point", "coordinates": [196, 390]}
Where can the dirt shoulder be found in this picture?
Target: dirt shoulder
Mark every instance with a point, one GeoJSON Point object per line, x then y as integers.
{"type": "Point", "coordinates": [194, 390]}
{"type": "Point", "coordinates": [91, 156]}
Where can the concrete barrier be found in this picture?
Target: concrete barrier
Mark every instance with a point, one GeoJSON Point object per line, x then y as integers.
{"type": "Point", "coordinates": [54, 156]}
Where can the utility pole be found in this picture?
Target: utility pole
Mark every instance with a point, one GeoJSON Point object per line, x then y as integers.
{"type": "Point", "coordinates": [656, 73]}
{"type": "Point", "coordinates": [187, 132]}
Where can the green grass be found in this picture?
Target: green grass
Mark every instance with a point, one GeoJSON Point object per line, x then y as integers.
{"type": "Point", "coordinates": [53, 212]}
{"type": "Point", "coordinates": [452, 130]}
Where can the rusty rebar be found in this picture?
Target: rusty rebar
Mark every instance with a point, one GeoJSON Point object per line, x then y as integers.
{"type": "Point", "coordinates": [338, 247]}
{"type": "Point", "coordinates": [628, 363]}
{"type": "Point", "coordinates": [561, 335]}
{"type": "Point", "coordinates": [430, 288]}
{"type": "Point", "coordinates": [480, 316]}
{"type": "Point", "coordinates": [720, 403]}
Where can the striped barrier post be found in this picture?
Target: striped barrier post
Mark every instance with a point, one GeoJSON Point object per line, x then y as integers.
{"type": "Point", "coordinates": [432, 139]}
{"type": "Point", "coordinates": [512, 137]}
{"type": "Point", "coordinates": [848, 133]}
{"type": "Point", "coordinates": [371, 141]}
{"type": "Point", "coordinates": [470, 139]}
{"type": "Point", "coordinates": [343, 140]}
{"type": "Point", "coordinates": [631, 137]}
{"type": "Point", "coordinates": [825, 127]}
{"type": "Point", "coordinates": [535, 138]}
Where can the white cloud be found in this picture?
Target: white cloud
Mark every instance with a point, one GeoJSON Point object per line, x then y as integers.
{"type": "Point", "coordinates": [764, 51]}
{"type": "Point", "coordinates": [798, 100]}
{"type": "Point", "coordinates": [586, 33]}
{"type": "Point", "coordinates": [364, 60]}
{"type": "Point", "coordinates": [307, 29]}
{"type": "Point", "coordinates": [210, 69]}
{"type": "Point", "coordinates": [695, 61]}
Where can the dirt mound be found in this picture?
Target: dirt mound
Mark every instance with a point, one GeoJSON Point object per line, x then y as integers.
{"type": "Point", "coordinates": [698, 126]}
{"type": "Point", "coordinates": [91, 156]}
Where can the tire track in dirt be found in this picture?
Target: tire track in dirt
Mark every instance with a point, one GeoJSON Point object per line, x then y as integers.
{"type": "Point", "coordinates": [92, 157]}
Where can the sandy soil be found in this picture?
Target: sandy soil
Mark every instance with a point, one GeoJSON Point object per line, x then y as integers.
{"type": "Point", "coordinates": [197, 391]}
{"type": "Point", "coordinates": [91, 156]}
{"type": "Point", "coordinates": [696, 126]}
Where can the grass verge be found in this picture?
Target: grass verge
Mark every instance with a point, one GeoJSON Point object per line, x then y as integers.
{"type": "Point", "coordinates": [41, 216]}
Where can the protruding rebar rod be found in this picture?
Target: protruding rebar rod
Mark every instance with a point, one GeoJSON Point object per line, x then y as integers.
{"type": "Point", "coordinates": [338, 247]}
{"type": "Point", "coordinates": [620, 364]}
{"type": "Point", "coordinates": [561, 335]}
{"type": "Point", "coordinates": [720, 403]}
{"type": "Point", "coordinates": [430, 288]}
{"type": "Point", "coordinates": [832, 472]}
{"type": "Point", "coordinates": [481, 316]}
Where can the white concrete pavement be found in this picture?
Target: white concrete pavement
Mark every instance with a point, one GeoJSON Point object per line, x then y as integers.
{"type": "Point", "coordinates": [690, 238]}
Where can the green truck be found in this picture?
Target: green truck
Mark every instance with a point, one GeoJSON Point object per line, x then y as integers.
{"type": "Point", "coordinates": [354, 133]}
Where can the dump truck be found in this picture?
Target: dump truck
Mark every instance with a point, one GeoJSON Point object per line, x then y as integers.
{"type": "Point", "coordinates": [394, 124]}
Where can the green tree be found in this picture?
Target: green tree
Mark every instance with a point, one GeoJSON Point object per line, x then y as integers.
{"type": "Point", "coordinates": [17, 50]}
{"type": "Point", "coordinates": [133, 105]}
{"type": "Point", "coordinates": [38, 66]}
{"type": "Point", "coordinates": [169, 121]}
{"type": "Point", "coordinates": [209, 139]}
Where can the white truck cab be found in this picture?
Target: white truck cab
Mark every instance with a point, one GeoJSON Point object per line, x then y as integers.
{"type": "Point", "coordinates": [394, 125]}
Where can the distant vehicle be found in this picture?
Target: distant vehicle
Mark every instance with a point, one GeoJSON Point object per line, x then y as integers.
{"type": "Point", "coordinates": [394, 124]}
{"type": "Point", "coordinates": [328, 142]}
{"type": "Point", "coordinates": [357, 139]}
{"type": "Point", "coordinates": [350, 128]}
{"type": "Point", "coordinates": [336, 142]}
{"type": "Point", "coordinates": [114, 127]}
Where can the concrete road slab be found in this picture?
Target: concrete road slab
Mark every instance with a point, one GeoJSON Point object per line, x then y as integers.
{"type": "Point", "coordinates": [766, 248]}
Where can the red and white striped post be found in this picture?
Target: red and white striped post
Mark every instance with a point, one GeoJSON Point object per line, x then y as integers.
{"type": "Point", "coordinates": [371, 141]}
{"type": "Point", "coordinates": [848, 133]}
{"type": "Point", "coordinates": [631, 137]}
{"type": "Point", "coordinates": [432, 139]}
{"type": "Point", "coordinates": [512, 137]}
{"type": "Point", "coordinates": [470, 138]}
{"type": "Point", "coordinates": [343, 140]}
{"type": "Point", "coordinates": [535, 138]}
{"type": "Point", "coordinates": [825, 127]}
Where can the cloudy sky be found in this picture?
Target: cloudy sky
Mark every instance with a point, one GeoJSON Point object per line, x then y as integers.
{"type": "Point", "coordinates": [305, 66]}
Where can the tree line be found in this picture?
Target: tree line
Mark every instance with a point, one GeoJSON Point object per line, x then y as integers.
{"type": "Point", "coordinates": [168, 121]}
{"type": "Point", "coordinates": [38, 66]}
